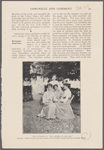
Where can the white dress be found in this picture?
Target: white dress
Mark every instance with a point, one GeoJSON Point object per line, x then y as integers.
{"type": "Point", "coordinates": [49, 107]}
{"type": "Point", "coordinates": [66, 96]}
{"type": "Point", "coordinates": [33, 83]}
{"type": "Point", "coordinates": [64, 110]}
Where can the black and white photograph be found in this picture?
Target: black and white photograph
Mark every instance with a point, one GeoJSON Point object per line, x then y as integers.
{"type": "Point", "coordinates": [51, 97]}
{"type": "Point", "coordinates": [52, 89]}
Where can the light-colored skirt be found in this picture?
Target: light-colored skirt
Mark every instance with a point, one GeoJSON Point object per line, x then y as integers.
{"type": "Point", "coordinates": [64, 110]}
{"type": "Point", "coordinates": [48, 110]}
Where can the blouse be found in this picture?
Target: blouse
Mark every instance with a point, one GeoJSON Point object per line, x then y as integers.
{"type": "Point", "coordinates": [48, 96]}
{"type": "Point", "coordinates": [66, 96]}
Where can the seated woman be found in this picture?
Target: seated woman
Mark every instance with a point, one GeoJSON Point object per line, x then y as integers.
{"type": "Point", "coordinates": [57, 93]}
{"type": "Point", "coordinates": [63, 108]}
{"type": "Point", "coordinates": [49, 106]}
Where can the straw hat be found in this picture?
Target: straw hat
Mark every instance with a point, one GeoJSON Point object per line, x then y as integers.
{"type": "Point", "coordinates": [66, 82]}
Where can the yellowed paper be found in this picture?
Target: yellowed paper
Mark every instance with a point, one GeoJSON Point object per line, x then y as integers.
{"type": "Point", "coordinates": [91, 75]}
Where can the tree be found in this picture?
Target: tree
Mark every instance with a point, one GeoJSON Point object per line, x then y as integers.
{"type": "Point", "coordinates": [61, 69]}
{"type": "Point", "coordinates": [26, 69]}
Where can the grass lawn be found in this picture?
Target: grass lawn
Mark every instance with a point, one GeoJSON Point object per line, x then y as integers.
{"type": "Point", "coordinates": [34, 124]}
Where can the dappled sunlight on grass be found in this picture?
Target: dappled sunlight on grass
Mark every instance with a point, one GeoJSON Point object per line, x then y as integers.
{"type": "Point", "coordinates": [34, 124]}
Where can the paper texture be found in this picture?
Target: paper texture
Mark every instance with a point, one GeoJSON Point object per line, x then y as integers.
{"type": "Point", "coordinates": [54, 32]}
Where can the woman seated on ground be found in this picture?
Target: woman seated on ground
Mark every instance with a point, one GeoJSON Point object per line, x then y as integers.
{"type": "Point", "coordinates": [49, 106]}
{"type": "Point", "coordinates": [63, 108]}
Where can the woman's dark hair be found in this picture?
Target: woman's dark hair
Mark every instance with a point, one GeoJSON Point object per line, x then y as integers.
{"type": "Point", "coordinates": [54, 86]}
{"type": "Point", "coordinates": [49, 80]}
{"type": "Point", "coordinates": [49, 85]}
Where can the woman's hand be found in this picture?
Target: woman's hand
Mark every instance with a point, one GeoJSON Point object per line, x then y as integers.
{"type": "Point", "coordinates": [61, 101]}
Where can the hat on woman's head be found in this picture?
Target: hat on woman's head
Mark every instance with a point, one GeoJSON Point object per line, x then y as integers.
{"type": "Point", "coordinates": [66, 81]}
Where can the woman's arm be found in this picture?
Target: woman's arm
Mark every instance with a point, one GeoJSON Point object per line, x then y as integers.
{"type": "Point", "coordinates": [66, 96]}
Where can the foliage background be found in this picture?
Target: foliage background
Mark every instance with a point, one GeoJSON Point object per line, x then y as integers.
{"type": "Point", "coordinates": [64, 70]}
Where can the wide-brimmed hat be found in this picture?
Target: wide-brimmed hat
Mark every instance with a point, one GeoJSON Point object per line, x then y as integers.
{"type": "Point", "coordinates": [66, 82]}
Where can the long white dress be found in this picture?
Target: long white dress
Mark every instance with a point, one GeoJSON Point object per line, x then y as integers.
{"type": "Point", "coordinates": [64, 110]}
{"type": "Point", "coordinates": [49, 106]}
{"type": "Point", "coordinates": [33, 84]}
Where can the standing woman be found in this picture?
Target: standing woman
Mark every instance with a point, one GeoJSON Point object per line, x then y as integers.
{"type": "Point", "coordinates": [45, 83]}
{"type": "Point", "coordinates": [33, 82]}
{"type": "Point", "coordinates": [63, 108]}
{"type": "Point", "coordinates": [54, 81]}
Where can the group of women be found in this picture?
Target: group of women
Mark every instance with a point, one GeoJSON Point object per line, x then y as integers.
{"type": "Point", "coordinates": [56, 102]}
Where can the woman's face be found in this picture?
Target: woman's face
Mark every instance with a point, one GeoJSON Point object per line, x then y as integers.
{"type": "Point", "coordinates": [49, 88]}
{"type": "Point", "coordinates": [55, 88]}
{"type": "Point", "coordinates": [54, 77]}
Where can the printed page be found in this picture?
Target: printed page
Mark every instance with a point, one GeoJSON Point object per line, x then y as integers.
{"type": "Point", "coordinates": [52, 74]}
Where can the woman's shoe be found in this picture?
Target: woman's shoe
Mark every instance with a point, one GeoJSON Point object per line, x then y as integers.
{"type": "Point", "coordinates": [38, 115]}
